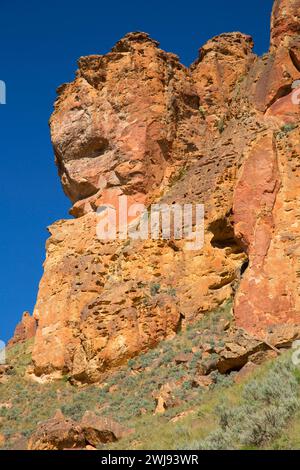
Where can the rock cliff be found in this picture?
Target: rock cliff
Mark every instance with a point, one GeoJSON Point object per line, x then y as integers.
{"type": "Point", "coordinates": [25, 330]}
{"type": "Point", "coordinates": [223, 133]}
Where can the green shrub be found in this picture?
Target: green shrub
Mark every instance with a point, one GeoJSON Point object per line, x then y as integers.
{"type": "Point", "coordinates": [288, 128]}
{"type": "Point", "coordinates": [202, 111]}
{"type": "Point", "coordinates": [171, 291]}
{"type": "Point", "coordinates": [75, 410]}
{"type": "Point", "coordinates": [265, 409]}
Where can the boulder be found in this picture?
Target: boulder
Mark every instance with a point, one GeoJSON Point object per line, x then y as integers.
{"type": "Point", "coordinates": [58, 433]}
{"type": "Point", "coordinates": [98, 430]}
{"type": "Point", "coordinates": [61, 433]}
{"type": "Point", "coordinates": [245, 371]}
{"type": "Point", "coordinates": [164, 397]}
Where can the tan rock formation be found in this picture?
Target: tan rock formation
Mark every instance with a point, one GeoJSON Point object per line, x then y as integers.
{"type": "Point", "coordinates": [61, 433]}
{"type": "Point", "coordinates": [24, 330]}
{"type": "Point", "coordinates": [164, 397]}
{"type": "Point", "coordinates": [99, 430]}
{"type": "Point", "coordinates": [126, 121]}
{"type": "Point", "coordinates": [266, 197]}
{"type": "Point", "coordinates": [58, 433]}
{"type": "Point", "coordinates": [223, 133]}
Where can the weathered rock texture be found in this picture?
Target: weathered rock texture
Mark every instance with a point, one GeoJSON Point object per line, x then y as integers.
{"type": "Point", "coordinates": [58, 433]}
{"type": "Point", "coordinates": [5, 372]}
{"type": "Point", "coordinates": [223, 133]}
{"type": "Point", "coordinates": [61, 433]}
{"type": "Point", "coordinates": [126, 122]}
{"type": "Point", "coordinates": [25, 330]}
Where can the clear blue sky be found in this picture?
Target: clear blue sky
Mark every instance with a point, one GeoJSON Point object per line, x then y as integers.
{"type": "Point", "coordinates": [40, 42]}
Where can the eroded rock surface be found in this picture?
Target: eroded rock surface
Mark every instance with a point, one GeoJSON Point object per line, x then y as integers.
{"type": "Point", "coordinates": [58, 433]}
{"type": "Point", "coordinates": [61, 433]}
{"type": "Point", "coordinates": [25, 330]}
{"type": "Point", "coordinates": [126, 122]}
{"type": "Point", "coordinates": [223, 133]}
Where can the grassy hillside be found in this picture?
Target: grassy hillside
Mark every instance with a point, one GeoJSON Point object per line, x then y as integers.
{"type": "Point", "coordinates": [261, 412]}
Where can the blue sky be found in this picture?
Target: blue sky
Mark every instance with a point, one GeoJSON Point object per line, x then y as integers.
{"type": "Point", "coordinates": [39, 45]}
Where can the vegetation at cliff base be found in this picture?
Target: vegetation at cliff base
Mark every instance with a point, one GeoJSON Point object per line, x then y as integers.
{"type": "Point", "coordinates": [261, 411]}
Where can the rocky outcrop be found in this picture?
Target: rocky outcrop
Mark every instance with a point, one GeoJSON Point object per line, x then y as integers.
{"type": "Point", "coordinates": [164, 397]}
{"type": "Point", "coordinates": [269, 229]}
{"type": "Point", "coordinates": [101, 303]}
{"type": "Point", "coordinates": [5, 371]}
{"type": "Point", "coordinates": [98, 430]}
{"type": "Point", "coordinates": [285, 26]}
{"type": "Point", "coordinates": [223, 61]}
{"type": "Point", "coordinates": [266, 196]}
{"type": "Point", "coordinates": [24, 331]}
{"type": "Point", "coordinates": [61, 433]}
{"type": "Point", "coordinates": [58, 433]}
{"type": "Point", "coordinates": [223, 133]}
{"type": "Point", "coordinates": [124, 125]}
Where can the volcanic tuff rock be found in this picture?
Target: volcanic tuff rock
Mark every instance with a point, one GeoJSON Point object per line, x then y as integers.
{"type": "Point", "coordinates": [124, 125]}
{"type": "Point", "coordinates": [25, 330]}
{"type": "Point", "coordinates": [223, 133]}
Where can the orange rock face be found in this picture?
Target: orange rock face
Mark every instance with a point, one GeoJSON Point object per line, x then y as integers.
{"type": "Point", "coordinates": [223, 133]}
{"type": "Point", "coordinates": [25, 330]}
{"type": "Point", "coordinates": [222, 62]}
{"type": "Point", "coordinates": [266, 195]}
{"type": "Point", "coordinates": [124, 124]}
